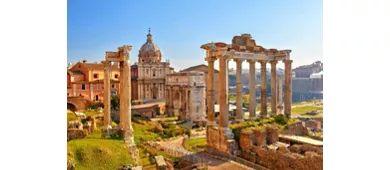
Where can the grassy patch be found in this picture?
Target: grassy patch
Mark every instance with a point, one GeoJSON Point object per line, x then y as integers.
{"type": "Point", "coordinates": [195, 144]}
{"type": "Point", "coordinates": [305, 109]}
{"type": "Point", "coordinates": [91, 113]}
{"type": "Point", "coordinates": [95, 153]}
{"type": "Point", "coordinates": [144, 132]}
{"type": "Point", "coordinates": [71, 117]}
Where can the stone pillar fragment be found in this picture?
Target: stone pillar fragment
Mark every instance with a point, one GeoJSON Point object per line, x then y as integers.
{"type": "Point", "coordinates": [223, 101]}
{"type": "Point", "coordinates": [252, 94]}
{"type": "Point", "coordinates": [287, 87]}
{"type": "Point", "coordinates": [273, 87]}
{"type": "Point", "coordinates": [122, 95]}
{"type": "Point", "coordinates": [263, 88]}
{"type": "Point", "coordinates": [210, 92]}
{"type": "Point", "coordinates": [239, 112]}
{"type": "Point", "coordinates": [280, 94]}
{"type": "Point", "coordinates": [107, 96]}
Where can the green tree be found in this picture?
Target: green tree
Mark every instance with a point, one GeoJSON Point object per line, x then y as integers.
{"type": "Point", "coordinates": [115, 101]}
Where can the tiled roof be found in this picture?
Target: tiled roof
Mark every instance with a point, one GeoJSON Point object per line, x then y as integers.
{"type": "Point", "coordinates": [95, 66]}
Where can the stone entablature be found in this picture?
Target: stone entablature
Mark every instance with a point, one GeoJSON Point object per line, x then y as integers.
{"type": "Point", "coordinates": [191, 78]}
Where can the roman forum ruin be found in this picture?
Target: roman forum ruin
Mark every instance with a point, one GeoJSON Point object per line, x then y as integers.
{"type": "Point", "coordinates": [122, 56]}
{"type": "Point", "coordinates": [186, 95]}
{"type": "Point", "coordinates": [243, 48]}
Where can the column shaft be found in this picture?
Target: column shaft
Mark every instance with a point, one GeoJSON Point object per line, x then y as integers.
{"type": "Point", "coordinates": [252, 94]}
{"type": "Point", "coordinates": [125, 96]}
{"type": "Point", "coordinates": [280, 94]}
{"type": "Point", "coordinates": [273, 87]}
{"type": "Point", "coordinates": [107, 96]}
{"type": "Point", "coordinates": [223, 102]}
{"type": "Point", "coordinates": [239, 112]}
{"type": "Point", "coordinates": [210, 92]}
{"type": "Point", "coordinates": [287, 87]}
{"type": "Point", "coordinates": [263, 88]}
{"type": "Point", "coordinates": [122, 108]}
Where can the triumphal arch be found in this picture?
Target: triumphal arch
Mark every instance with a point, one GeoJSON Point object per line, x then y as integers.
{"type": "Point", "coordinates": [124, 127]}
{"type": "Point", "coordinates": [243, 48]}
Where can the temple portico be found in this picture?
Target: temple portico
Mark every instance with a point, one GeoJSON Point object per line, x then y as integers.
{"type": "Point", "coordinates": [243, 48]}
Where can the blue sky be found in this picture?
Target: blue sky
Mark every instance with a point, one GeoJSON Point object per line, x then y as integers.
{"type": "Point", "coordinates": [179, 28]}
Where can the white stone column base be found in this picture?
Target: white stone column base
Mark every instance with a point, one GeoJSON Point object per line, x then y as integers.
{"type": "Point", "coordinates": [227, 132]}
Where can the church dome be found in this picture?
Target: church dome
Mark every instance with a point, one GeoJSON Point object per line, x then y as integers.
{"type": "Point", "coordinates": [149, 52]}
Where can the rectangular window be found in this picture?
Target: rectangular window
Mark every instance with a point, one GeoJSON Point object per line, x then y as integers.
{"type": "Point", "coordinates": [112, 85]}
{"type": "Point", "coordinates": [83, 87]}
{"type": "Point", "coordinates": [116, 76]}
{"type": "Point", "coordinates": [95, 76]}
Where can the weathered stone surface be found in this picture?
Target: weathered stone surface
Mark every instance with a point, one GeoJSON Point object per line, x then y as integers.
{"type": "Point", "coordinates": [313, 125]}
{"type": "Point", "coordinates": [75, 133]}
{"type": "Point", "coordinates": [288, 161]}
{"type": "Point", "coordinates": [245, 141]}
{"type": "Point", "coordinates": [296, 129]}
{"type": "Point", "coordinates": [272, 135]}
{"type": "Point", "coordinates": [261, 137]}
{"type": "Point", "coordinates": [306, 148]}
{"type": "Point", "coordinates": [283, 149]}
{"type": "Point", "coordinates": [160, 162]}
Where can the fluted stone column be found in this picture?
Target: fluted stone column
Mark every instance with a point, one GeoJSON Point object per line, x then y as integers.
{"type": "Point", "coordinates": [210, 92]}
{"type": "Point", "coordinates": [122, 95]}
{"type": "Point", "coordinates": [280, 94]}
{"type": "Point", "coordinates": [107, 96]}
{"type": "Point", "coordinates": [287, 87]}
{"type": "Point", "coordinates": [223, 102]}
{"type": "Point", "coordinates": [263, 88]}
{"type": "Point", "coordinates": [273, 87]}
{"type": "Point", "coordinates": [252, 94]}
{"type": "Point", "coordinates": [239, 112]}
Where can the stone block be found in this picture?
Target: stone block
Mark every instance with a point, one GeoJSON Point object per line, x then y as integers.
{"type": "Point", "coordinates": [261, 137]}
{"type": "Point", "coordinates": [313, 125]}
{"type": "Point", "coordinates": [272, 135]}
{"type": "Point", "coordinates": [75, 133]}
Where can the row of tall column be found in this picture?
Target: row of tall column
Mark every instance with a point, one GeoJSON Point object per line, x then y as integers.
{"type": "Point", "coordinates": [124, 96]}
{"type": "Point", "coordinates": [223, 96]}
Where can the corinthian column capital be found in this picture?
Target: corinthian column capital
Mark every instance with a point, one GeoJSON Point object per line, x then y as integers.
{"type": "Point", "coordinates": [274, 62]}
{"type": "Point", "coordinates": [287, 61]}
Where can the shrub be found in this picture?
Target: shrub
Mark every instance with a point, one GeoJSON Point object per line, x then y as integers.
{"type": "Point", "coordinates": [95, 105]}
{"type": "Point", "coordinates": [281, 119]}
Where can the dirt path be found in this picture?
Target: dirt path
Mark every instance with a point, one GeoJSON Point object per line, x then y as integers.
{"type": "Point", "coordinates": [214, 163]}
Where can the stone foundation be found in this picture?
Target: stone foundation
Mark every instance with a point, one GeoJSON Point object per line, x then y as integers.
{"type": "Point", "coordinates": [258, 137]}
{"type": "Point", "coordinates": [297, 129]}
{"type": "Point", "coordinates": [220, 141]}
{"type": "Point", "coordinates": [284, 160]}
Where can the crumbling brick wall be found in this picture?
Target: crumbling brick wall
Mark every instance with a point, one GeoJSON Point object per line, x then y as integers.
{"type": "Point", "coordinates": [296, 129]}
{"type": "Point", "coordinates": [313, 125]}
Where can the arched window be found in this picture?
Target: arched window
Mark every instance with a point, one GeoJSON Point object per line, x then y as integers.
{"type": "Point", "coordinates": [154, 72]}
